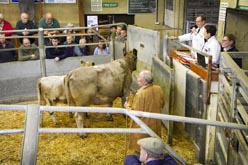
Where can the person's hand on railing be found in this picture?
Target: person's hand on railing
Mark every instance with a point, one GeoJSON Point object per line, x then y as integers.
{"type": "Point", "coordinates": [172, 38]}
{"type": "Point", "coordinates": [45, 32]}
{"type": "Point", "coordinates": [56, 58]}
{"type": "Point", "coordinates": [25, 32]}
{"type": "Point", "coordinates": [32, 56]}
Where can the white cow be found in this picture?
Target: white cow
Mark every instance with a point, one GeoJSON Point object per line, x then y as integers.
{"type": "Point", "coordinates": [51, 91]}
{"type": "Point", "coordinates": [99, 85]}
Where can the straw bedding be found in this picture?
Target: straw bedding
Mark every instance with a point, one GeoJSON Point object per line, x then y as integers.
{"type": "Point", "coordinates": [70, 149]}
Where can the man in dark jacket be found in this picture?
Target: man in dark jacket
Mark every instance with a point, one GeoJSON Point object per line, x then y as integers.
{"type": "Point", "coordinates": [228, 45]}
{"type": "Point", "coordinates": [9, 55]}
{"type": "Point", "coordinates": [151, 153]}
{"type": "Point", "coordinates": [25, 24]}
{"type": "Point", "coordinates": [56, 53]}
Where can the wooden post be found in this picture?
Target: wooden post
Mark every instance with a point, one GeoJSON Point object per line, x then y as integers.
{"type": "Point", "coordinates": [40, 9]}
{"type": "Point", "coordinates": [81, 14]}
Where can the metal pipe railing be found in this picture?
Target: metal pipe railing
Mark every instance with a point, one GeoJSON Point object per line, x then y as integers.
{"type": "Point", "coordinates": [133, 114]}
{"type": "Point", "coordinates": [136, 113]}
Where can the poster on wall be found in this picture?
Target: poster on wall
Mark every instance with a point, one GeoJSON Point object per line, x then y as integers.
{"type": "Point", "coordinates": [141, 6]}
{"type": "Point", "coordinates": [222, 12]}
{"type": "Point", "coordinates": [96, 5]}
{"type": "Point", "coordinates": [92, 20]}
{"type": "Point", "coordinates": [4, 1]}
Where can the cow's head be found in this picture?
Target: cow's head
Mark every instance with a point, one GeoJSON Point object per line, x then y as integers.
{"type": "Point", "coordinates": [131, 59]}
{"type": "Point", "coordinates": [87, 63]}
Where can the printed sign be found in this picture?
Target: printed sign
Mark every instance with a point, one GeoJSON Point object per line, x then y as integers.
{"type": "Point", "coordinates": [141, 6]}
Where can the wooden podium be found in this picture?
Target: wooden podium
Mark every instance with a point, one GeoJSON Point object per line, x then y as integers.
{"type": "Point", "coordinates": [206, 73]}
{"type": "Point", "coordinates": [199, 70]}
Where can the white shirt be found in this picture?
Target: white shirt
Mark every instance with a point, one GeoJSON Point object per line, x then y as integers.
{"type": "Point", "coordinates": [196, 38]}
{"type": "Point", "coordinates": [212, 47]}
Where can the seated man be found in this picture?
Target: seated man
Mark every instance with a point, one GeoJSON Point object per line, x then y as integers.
{"type": "Point", "coordinates": [69, 50]}
{"type": "Point", "coordinates": [6, 56]}
{"type": "Point", "coordinates": [71, 31]}
{"type": "Point", "coordinates": [55, 53]}
{"type": "Point", "coordinates": [82, 49]}
{"type": "Point", "coordinates": [91, 37]}
{"type": "Point", "coordinates": [47, 23]}
{"type": "Point", "coordinates": [151, 153]}
{"type": "Point", "coordinates": [28, 51]}
{"type": "Point", "coordinates": [25, 24]}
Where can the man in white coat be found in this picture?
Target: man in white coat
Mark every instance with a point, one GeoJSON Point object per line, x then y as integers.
{"type": "Point", "coordinates": [211, 46]}
{"type": "Point", "coordinates": [196, 35]}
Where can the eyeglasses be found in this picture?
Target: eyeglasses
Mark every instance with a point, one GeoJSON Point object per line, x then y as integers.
{"type": "Point", "coordinates": [224, 40]}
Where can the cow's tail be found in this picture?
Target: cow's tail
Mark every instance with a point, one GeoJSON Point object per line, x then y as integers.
{"type": "Point", "coordinates": [67, 90]}
{"type": "Point", "coordinates": [41, 99]}
{"type": "Point", "coordinates": [69, 98]}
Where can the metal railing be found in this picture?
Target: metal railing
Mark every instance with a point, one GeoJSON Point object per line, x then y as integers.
{"type": "Point", "coordinates": [41, 39]}
{"type": "Point", "coordinates": [232, 107]}
{"type": "Point", "coordinates": [32, 129]}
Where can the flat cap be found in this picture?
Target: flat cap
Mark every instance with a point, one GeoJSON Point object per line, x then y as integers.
{"type": "Point", "coordinates": [152, 144]}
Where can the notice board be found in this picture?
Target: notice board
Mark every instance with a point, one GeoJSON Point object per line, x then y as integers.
{"type": "Point", "coordinates": [141, 6]}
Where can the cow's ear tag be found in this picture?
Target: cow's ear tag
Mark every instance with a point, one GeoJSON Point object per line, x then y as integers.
{"type": "Point", "coordinates": [82, 62]}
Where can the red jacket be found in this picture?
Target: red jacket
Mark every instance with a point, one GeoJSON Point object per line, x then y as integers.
{"type": "Point", "coordinates": [7, 26]}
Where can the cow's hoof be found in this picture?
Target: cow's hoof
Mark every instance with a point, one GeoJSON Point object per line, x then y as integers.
{"type": "Point", "coordinates": [82, 136]}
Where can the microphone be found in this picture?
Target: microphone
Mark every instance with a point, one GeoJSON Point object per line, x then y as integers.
{"type": "Point", "coordinates": [194, 26]}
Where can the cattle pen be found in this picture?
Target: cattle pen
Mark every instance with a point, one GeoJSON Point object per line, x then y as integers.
{"type": "Point", "coordinates": [185, 95]}
{"type": "Point", "coordinates": [32, 130]}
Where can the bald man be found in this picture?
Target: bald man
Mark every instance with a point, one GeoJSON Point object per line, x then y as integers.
{"type": "Point", "coordinates": [149, 98]}
{"type": "Point", "coordinates": [24, 24]}
{"type": "Point", "coordinates": [47, 23]}
{"type": "Point", "coordinates": [27, 6]}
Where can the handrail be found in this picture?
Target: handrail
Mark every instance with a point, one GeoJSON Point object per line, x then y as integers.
{"type": "Point", "coordinates": [236, 70]}
{"type": "Point", "coordinates": [130, 112]}
{"type": "Point", "coordinates": [133, 114]}
{"type": "Point", "coordinates": [61, 29]}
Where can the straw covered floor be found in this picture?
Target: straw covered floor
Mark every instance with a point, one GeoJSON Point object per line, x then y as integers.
{"type": "Point", "coordinates": [70, 149]}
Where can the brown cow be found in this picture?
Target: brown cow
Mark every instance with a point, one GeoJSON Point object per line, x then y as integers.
{"type": "Point", "coordinates": [51, 90]}
{"type": "Point", "coordinates": [100, 84]}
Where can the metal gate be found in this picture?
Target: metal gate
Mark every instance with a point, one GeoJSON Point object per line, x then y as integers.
{"type": "Point", "coordinates": [232, 145]}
